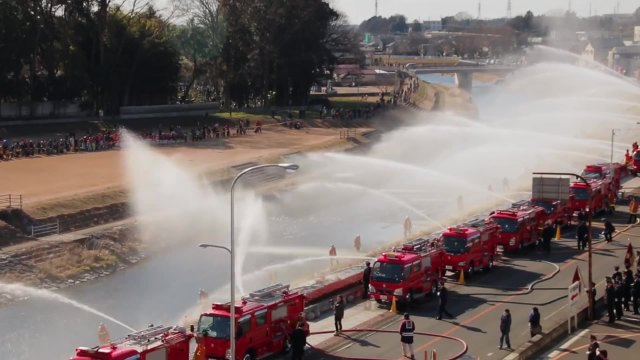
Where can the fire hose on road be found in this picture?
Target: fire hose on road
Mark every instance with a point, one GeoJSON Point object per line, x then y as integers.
{"type": "Point", "coordinates": [460, 354]}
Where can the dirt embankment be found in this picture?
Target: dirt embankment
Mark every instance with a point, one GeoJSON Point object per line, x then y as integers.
{"type": "Point", "coordinates": [437, 97]}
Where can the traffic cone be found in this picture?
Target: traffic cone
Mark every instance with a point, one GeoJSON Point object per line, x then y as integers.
{"type": "Point", "coordinates": [394, 306]}
{"type": "Point", "coordinates": [461, 279]}
{"type": "Point", "coordinates": [558, 232]}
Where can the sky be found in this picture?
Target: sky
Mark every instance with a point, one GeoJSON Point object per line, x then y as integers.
{"type": "Point", "coordinates": [360, 10]}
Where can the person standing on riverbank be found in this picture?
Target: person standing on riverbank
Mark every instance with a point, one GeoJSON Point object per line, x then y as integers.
{"type": "Point", "coordinates": [338, 314]}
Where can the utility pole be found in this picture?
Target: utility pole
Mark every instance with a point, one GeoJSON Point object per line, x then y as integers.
{"type": "Point", "coordinates": [376, 8]}
{"type": "Point", "coordinates": [508, 9]}
{"type": "Point", "coordinates": [590, 9]}
{"type": "Point", "coordinates": [479, 10]}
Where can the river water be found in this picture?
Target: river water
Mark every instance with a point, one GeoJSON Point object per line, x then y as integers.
{"type": "Point", "coordinates": [161, 288]}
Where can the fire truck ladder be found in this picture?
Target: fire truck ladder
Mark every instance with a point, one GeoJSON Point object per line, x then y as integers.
{"type": "Point", "coordinates": [520, 204]}
{"type": "Point", "coordinates": [147, 335]}
{"type": "Point", "coordinates": [474, 223]}
{"type": "Point", "coordinates": [417, 245]}
{"type": "Point", "coordinates": [267, 294]}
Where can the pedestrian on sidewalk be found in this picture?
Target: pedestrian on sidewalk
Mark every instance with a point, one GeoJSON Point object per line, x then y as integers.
{"type": "Point", "coordinates": [406, 336]}
{"type": "Point", "coordinates": [582, 235]}
{"type": "Point", "coordinates": [443, 297]}
{"type": "Point", "coordinates": [505, 328]}
{"type": "Point", "coordinates": [338, 314]}
{"type": "Point", "coordinates": [635, 292]}
{"type": "Point", "coordinates": [366, 277]}
{"type": "Point", "coordinates": [609, 229]}
{"type": "Point", "coordinates": [534, 322]}
{"type": "Point", "coordinates": [594, 346]}
{"type": "Point", "coordinates": [610, 299]}
{"type": "Point", "coordinates": [298, 341]}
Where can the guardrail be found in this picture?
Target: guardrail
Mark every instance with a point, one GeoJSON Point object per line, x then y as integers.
{"type": "Point", "coordinates": [348, 133]}
{"type": "Point", "coordinates": [11, 201]}
{"type": "Point", "coordinates": [45, 229]}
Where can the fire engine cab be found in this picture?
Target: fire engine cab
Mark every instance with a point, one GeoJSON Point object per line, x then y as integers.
{"type": "Point", "coordinates": [264, 321]}
{"type": "Point", "coordinates": [154, 343]}
{"type": "Point", "coordinates": [518, 225]}
{"type": "Point", "coordinates": [408, 274]}
{"type": "Point", "coordinates": [470, 246]}
{"type": "Point", "coordinates": [615, 172]}
{"type": "Point", "coordinates": [589, 197]}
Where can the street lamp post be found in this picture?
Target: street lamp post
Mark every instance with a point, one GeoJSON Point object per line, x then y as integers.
{"type": "Point", "coordinates": [589, 217]}
{"type": "Point", "coordinates": [231, 249]}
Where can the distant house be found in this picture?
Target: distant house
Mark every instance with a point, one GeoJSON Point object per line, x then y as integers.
{"type": "Point", "coordinates": [597, 49]}
{"type": "Point", "coordinates": [432, 25]}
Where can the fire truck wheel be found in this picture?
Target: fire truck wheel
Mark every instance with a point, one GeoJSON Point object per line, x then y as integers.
{"type": "Point", "coordinates": [472, 269]}
{"type": "Point", "coordinates": [410, 298]}
{"type": "Point", "coordinates": [286, 347]}
{"type": "Point", "coordinates": [489, 265]}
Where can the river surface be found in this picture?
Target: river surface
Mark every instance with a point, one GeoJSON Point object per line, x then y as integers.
{"type": "Point", "coordinates": [161, 288]}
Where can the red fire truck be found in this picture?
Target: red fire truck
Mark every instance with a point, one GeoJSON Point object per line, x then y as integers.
{"type": "Point", "coordinates": [408, 274]}
{"type": "Point", "coordinates": [470, 246]}
{"type": "Point", "coordinates": [264, 321]}
{"type": "Point", "coordinates": [555, 211]}
{"type": "Point", "coordinates": [590, 197]}
{"type": "Point", "coordinates": [154, 343]}
{"type": "Point", "coordinates": [519, 225]}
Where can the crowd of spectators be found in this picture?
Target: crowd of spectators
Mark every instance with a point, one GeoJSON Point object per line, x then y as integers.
{"type": "Point", "coordinates": [25, 148]}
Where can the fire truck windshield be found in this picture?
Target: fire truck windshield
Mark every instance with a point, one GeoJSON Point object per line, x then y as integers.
{"type": "Point", "coordinates": [506, 225]}
{"type": "Point", "coordinates": [548, 207]}
{"type": "Point", "coordinates": [214, 326]}
{"type": "Point", "coordinates": [454, 244]}
{"type": "Point", "coordinates": [388, 272]}
{"type": "Point", "coordinates": [592, 175]}
{"type": "Point", "coordinates": [581, 193]}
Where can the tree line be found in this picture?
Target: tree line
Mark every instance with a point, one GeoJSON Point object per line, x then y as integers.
{"type": "Point", "coordinates": [106, 53]}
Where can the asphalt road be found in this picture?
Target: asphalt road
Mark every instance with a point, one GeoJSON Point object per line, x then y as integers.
{"type": "Point", "coordinates": [479, 304]}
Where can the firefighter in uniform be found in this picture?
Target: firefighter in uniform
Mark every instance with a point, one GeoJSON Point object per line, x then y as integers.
{"type": "Point", "coordinates": [333, 253]}
{"type": "Point", "coordinates": [633, 210]}
{"type": "Point", "coordinates": [635, 291]}
{"type": "Point", "coordinates": [619, 291]}
{"type": "Point", "coordinates": [298, 341]}
{"type": "Point", "coordinates": [357, 243]}
{"type": "Point", "coordinates": [627, 158]}
{"type": "Point", "coordinates": [406, 336]}
{"type": "Point", "coordinates": [610, 298]}
{"type": "Point", "coordinates": [366, 277]}
{"type": "Point", "coordinates": [104, 338]}
{"type": "Point", "coordinates": [627, 284]}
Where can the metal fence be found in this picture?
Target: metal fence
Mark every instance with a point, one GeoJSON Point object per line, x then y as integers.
{"type": "Point", "coordinates": [11, 201]}
{"type": "Point", "coordinates": [41, 230]}
{"type": "Point", "coordinates": [348, 133]}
